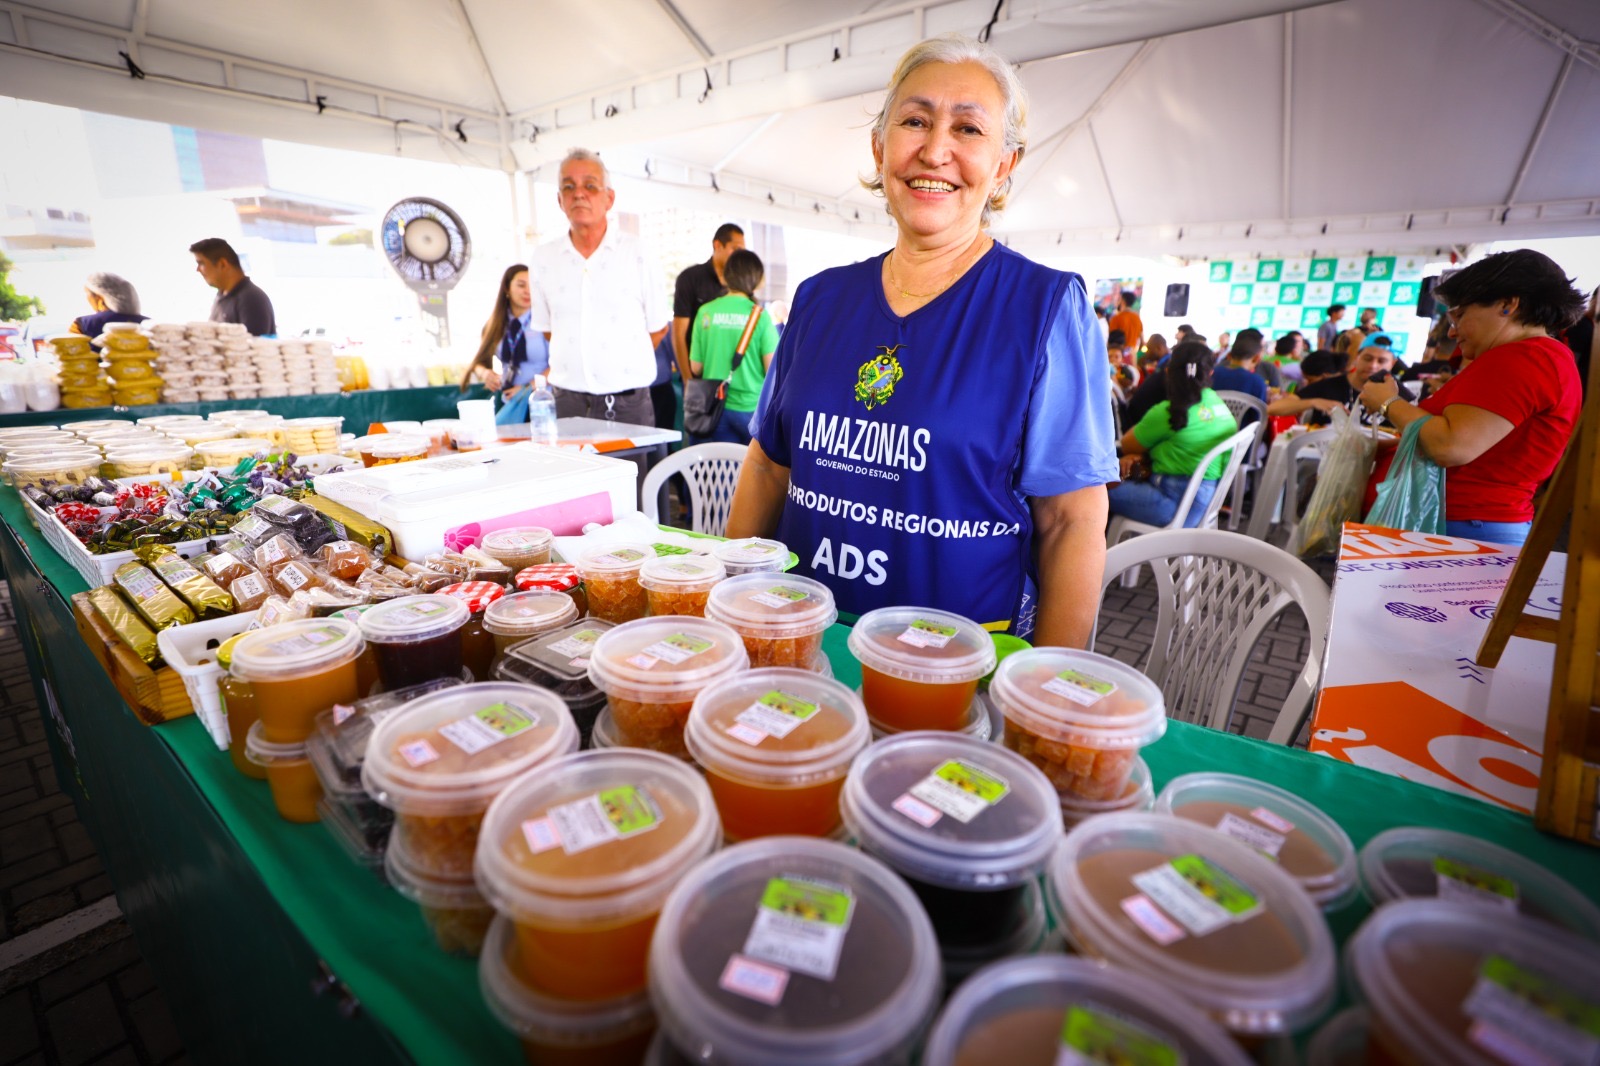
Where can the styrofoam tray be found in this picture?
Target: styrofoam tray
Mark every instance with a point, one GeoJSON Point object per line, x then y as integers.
{"type": "Point", "coordinates": [191, 651]}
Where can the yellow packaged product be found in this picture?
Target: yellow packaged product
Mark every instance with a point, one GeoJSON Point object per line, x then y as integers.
{"type": "Point", "coordinates": [70, 344]}
{"type": "Point", "coordinates": [125, 341]}
{"type": "Point", "coordinates": [350, 525]}
{"type": "Point", "coordinates": [203, 596]}
{"type": "Point", "coordinates": [158, 605]}
{"type": "Point", "coordinates": [141, 395]}
{"type": "Point", "coordinates": [127, 625]}
{"type": "Point", "coordinates": [127, 371]}
{"type": "Point", "coordinates": [89, 378]}
{"type": "Point", "coordinates": [80, 399]}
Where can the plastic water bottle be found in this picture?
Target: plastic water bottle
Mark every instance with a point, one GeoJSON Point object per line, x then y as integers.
{"type": "Point", "coordinates": [542, 413]}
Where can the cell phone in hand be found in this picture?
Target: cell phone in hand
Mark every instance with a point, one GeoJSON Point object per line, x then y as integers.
{"type": "Point", "coordinates": [1382, 375]}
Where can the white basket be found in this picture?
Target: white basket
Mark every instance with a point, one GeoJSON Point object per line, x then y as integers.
{"type": "Point", "coordinates": [95, 569]}
{"type": "Point", "coordinates": [191, 651]}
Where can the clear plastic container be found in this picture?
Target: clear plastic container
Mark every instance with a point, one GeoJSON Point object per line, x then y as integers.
{"type": "Point", "coordinates": [1442, 984]}
{"type": "Point", "coordinates": [1138, 795]}
{"type": "Point", "coordinates": [1416, 862]}
{"type": "Point", "coordinates": [920, 667]}
{"type": "Point", "coordinates": [1024, 1012]}
{"type": "Point", "coordinates": [976, 723]}
{"type": "Point", "coordinates": [169, 459]}
{"type": "Point", "coordinates": [966, 823]}
{"type": "Point", "coordinates": [559, 661]}
{"type": "Point", "coordinates": [238, 415]}
{"type": "Point", "coordinates": [1341, 1040]}
{"type": "Point", "coordinates": [93, 425]}
{"type": "Point", "coordinates": [65, 457]}
{"type": "Point", "coordinates": [294, 783]}
{"type": "Point", "coordinates": [478, 647]}
{"type": "Point", "coordinates": [227, 454]}
{"type": "Point", "coordinates": [652, 669]}
{"type": "Point", "coordinates": [581, 857]}
{"type": "Point", "coordinates": [776, 745]}
{"type": "Point", "coordinates": [1214, 920]}
{"type": "Point", "coordinates": [313, 436]}
{"type": "Point", "coordinates": [1078, 716]}
{"type": "Point", "coordinates": [519, 547]}
{"type": "Point", "coordinates": [296, 670]}
{"type": "Point", "coordinates": [193, 433]}
{"type": "Point", "coordinates": [61, 469]}
{"type": "Point", "coordinates": [555, 1031]}
{"type": "Point", "coordinates": [345, 826]}
{"type": "Point", "coordinates": [790, 951]}
{"type": "Point", "coordinates": [555, 577]}
{"type": "Point", "coordinates": [397, 448]}
{"type": "Point", "coordinates": [752, 555]}
{"type": "Point", "coordinates": [1026, 937]}
{"type": "Point", "coordinates": [161, 422]}
{"type": "Point", "coordinates": [455, 911]}
{"type": "Point", "coordinates": [781, 617]}
{"type": "Point", "coordinates": [1308, 844]}
{"type": "Point", "coordinates": [416, 638]}
{"type": "Point", "coordinates": [611, 580]}
{"type": "Point", "coordinates": [522, 616]}
{"type": "Point", "coordinates": [440, 760]}
{"type": "Point", "coordinates": [680, 584]}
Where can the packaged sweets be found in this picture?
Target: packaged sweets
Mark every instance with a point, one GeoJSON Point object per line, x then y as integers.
{"type": "Point", "coordinates": [254, 530]}
{"type": "Point", "coordinates": [524, 615]}
{"type": "Point", "coordinates": [296, 519]}
{"type": "Point", "coordinates": [276, 550]}
{"type": "Point", "coordinates": [230, 562]}
{"type": "Point", "coordinates": [477, 643]}
{"type": "Point", "coordinates": [345, 559]}
{"type": "Point", "coordinates": [559, 661]}
{"type": "Point", "coordinates": [295, 670]}
{"type": "Point", "coordinates": [126, 623]}
{"type": "Point", "coordinates": [680, 584]}
{"type": "Point", "coordinates": [416, 638]}
{"type": "Point", "coordinates": [554, 577]}
{"type": "Point", "coordinates": [158, 605]}
{"type": "Point", "coordinates": [611, 580]}
{"type": "Point", "coordinates": [652, 669]}
{"type": "Point", "coordinates": [752, 555]}
{"type": "Point", "coordinates": [292, 576]}
{"type": "Point", "coordinates": [518, 547]}
{"type": "Point", "coordinates": [294, 784]}
{"type": "Point", "coordinates": [919, 667]}
{"type": "Point", "coordinates": [780, 616]}
{"type": "Point", "coordinates": [249, 590]}
{"type": "Point", "coordinates": [194, 588]}
{"type": "Point", "coordinates": [427, 579]}
{"type": "Point", "coordinates": [169, 459]}
{"type": "Point", "coordinates": [349, 525]}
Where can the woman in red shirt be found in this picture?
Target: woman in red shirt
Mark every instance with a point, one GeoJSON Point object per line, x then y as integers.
{"type": "Point", "coordinates": [1501, 424]}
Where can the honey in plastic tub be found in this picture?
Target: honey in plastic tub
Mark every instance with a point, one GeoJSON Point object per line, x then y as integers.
{"type": "Point", "coordinates": [1308, 844]}
{"type": "Point", "coordinates": [790, 951]}
{"type": "Point", "coordinates": [521, 616]}
{"type": "Point", "coordinates": [966, 823]}
{"type": "Point", "coordinates": [752, 555]}
{"type": "Point", "coordinates": [560, 1032]}
{"type": "Point", "coordinates": [1214, 920]}
{"type": "Point", "coordinates": [680, 584]}
{"type": "Point", "coordinates": [239, 705]}
{"type": "Point", "coordinates": [780, 616]}
{"type": "Point", "coordinates": [294, 783]}
{"type": "Point", "coordinates": [559, 661]}
{"type": "Point", "coordinates": [776, 745]}
{"type": "Point", "coordinates": [1050, 1009]}
{"type": "Point", "coordinates": [920, 667]}
{"type": "Point", "coordinates": [1442, 984]}
{"type": "Point", "coordinates": [975, 723]}
{"type": "Point", "coordinates": [1138, 795]}
{"type": "Point", "coordinates": [397, 448]}
{"type": "Point", "coordinates": [652, 669]}
{"type": "Point", "coordinates": [416, 638]}
{"type": "Point", "coordinates": [453, 909]}
{"type": "Point", "coordinates": [478, 648]}
{"type": "Point", "coordinates": [555, 577]}
{"type": "Point", "coordinates": [296, 670]}
{"type": "Point", "coordinates": [518, 547]}
{"type": "Point", "coordinates": [1078, 716]}
{"type": "Point", "coordinates": [611, 580]}
{"type": "Point", "coordinates": [438, 761]}
{"type": "Point", "coordinates": [581, 856]}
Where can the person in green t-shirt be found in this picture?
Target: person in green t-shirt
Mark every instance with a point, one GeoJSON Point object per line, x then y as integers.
{"type": "Point", "coordinates": [717, 329]}
{"type": "Point", "coordinates": [1174, 436]}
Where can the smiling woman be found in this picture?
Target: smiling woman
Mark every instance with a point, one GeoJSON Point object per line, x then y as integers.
{"type": "Point", "coordinates": [988, 367]}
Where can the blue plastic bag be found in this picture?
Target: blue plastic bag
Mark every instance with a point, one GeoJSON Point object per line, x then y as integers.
{"type": "Point", "coordinates": [1412, 496]}
{"type": "Point", "coordinates": [515, 410]}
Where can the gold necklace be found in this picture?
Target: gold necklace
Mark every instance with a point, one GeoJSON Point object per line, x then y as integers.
{"type": "Point", "coordinates": [960, 269]}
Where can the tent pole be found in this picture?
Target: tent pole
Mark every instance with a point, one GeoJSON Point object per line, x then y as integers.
{"type": "Point", "coordinates": [1539, 128]}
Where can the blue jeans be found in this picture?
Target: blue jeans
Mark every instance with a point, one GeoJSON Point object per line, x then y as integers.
{"type": "Point", "coordinates": [1155, 502]}
{"type": "Point", "coordinates": [733, 429]}
{"type": "Point", "coordinates": [1514, 533]}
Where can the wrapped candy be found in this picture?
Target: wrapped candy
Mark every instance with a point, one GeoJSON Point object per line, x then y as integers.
{"type": "Point", "coordinates": [345, 559]}
{"type": "Point", "coordinates": [158, 605]}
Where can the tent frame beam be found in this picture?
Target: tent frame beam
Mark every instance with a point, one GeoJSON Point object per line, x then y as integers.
{"type": "Point", "coordinates": [1539, 128]}
{"type": "Point", "coordinates": [1584, 51]}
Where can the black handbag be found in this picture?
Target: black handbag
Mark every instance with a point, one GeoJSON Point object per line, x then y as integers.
{"type": "Point", "coordinates": [704, 399]}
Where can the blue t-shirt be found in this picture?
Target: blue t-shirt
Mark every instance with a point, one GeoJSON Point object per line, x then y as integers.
{"type": "Point", "coordinates": [913, 444]}
{"type": "Point", "coordinates": [1238, 379]}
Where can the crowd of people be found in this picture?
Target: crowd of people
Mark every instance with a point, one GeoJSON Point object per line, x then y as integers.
{"type": "Point", "coordinates": [113, 298]}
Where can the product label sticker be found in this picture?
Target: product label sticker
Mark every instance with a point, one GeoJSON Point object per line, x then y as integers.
{"type": "Point", "coordinates": [922, 633]}
{"type": "Point", "coordinates": [273, 551]}
{"type": "Point", "coordinates": [293, 577]}
{"type": "Point", "coordinates": [417, 612]}
{"type": "Point", "coordinates": [960, 789]}
{"type": "Point", "coordinates": [278, 505]}
{"type": "Point", "coordinates": [776, 714]}
{"type": "Point", "coordinates": [514, 541]}
{"type": "Point", "coordinates": [1199, 895]}
{"type": "Point", "coordinates": [1468, 884]}
{"type": "Point", "coordinates": [176, 571]}
{"type": "Point", "coordinates": [621, 555]}
{"type": "Point", "coordinates": [1524, 1017]}
{"type": "Point", "coordinates": [1147, 916]}
{"type": "Point", "coordinates": [251, 585]}
{"type": "Point", "coordinates": [1092, 1037]}
{"type": "Point", "coordinates": [801, 925]}
{"type": "Point", "coordinates": [686, 568]}
{"type": "Point", "coordinates": [780, 596]}
{"type": "Point", "coordinates": [607, 816]}
{"type": "Point", "coordinates": [1273, 820]}
{"type": "Point", "coordinates": [251, 526]}
{"type": "Point", "coordinates": [678, 648]}
{"type": "Point", "coordinates": [1079, 687]}
{"type": "Point", "coordinates": [1245, 831]}
{"type": "Point", "coordinates": [342, 713]}
{"type": "Point", "coordinates": [223, 562]}
{"type": "Point", "coordinates": [488, 726]}
{"type": "Point", "coordinates": [141, 584]}
{"type": "Point", "coordinates": [579, 643]}
{"type": "Point", "coordinates": [418, 753]}
{"type": "Point", "coordinates": [754, 980]}
{"type": "Point", "coordinates": [750, 553]}
{"type": "Point", "coordinates": [304, 642]}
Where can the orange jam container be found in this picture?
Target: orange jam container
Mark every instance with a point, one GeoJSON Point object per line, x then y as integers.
{"type": "Point", "coordinates": [294, 783]}
{"type": "Point", "coordinates": [611, 580]}
{"type": "Point", "coordinates": [438, 761]}
{"type": "Point", "coordinates": [524, 615]}
{"type": "Point", "coordinates": [1078, 716]}
{"type": "Point", "coordinates": [296, 670]}
{"type": "Point", "coordinates": [518, 547]}
{"type": "Point", "coordinates": [455, 912]}
{"type": "Point", "coordinates": [652, 669]}
{"type": "Point", "coordinates": [920, 667]}
{"type": "Point", "coordinates": [478, 646]}
{"type": "Point", "coordinates": [581, 856]}
{"type": "Point", "coordinates": [780, 616]}
{"type": "Point", "coordinates": [776, 745]}
{"type": "Point", "coordinates": [752, 555]}
{"type": "Point", "coordinates": [680, 584]}
{"type": "Point", "coordinates": [239, 704]}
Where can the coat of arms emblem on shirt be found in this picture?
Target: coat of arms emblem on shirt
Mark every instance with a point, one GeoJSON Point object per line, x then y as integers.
{"type": "Point", "coordinates": [876, 379]}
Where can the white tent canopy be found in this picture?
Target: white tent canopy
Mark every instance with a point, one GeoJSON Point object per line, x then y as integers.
{"type": "Point", "coordinates": [1188, 127]}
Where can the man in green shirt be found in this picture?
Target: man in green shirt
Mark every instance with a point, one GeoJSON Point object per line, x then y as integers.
{"type": "Point", "coordinates": [718, 328]}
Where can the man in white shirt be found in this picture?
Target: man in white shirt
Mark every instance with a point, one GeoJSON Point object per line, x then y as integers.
{"type": "Point", "coordinates": [602, 302]}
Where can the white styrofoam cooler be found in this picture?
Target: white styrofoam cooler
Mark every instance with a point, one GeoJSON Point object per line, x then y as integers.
{"type": "Point", "coordinates": [191, 651]}
{"type": "Point", "coordinates": [452, 500]}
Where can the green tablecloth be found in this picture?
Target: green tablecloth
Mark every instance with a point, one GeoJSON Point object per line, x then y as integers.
{"type": "Point", "coordinates": [358, 408]}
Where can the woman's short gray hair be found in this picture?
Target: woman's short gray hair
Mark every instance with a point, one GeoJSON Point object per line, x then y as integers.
{"type": "Point", "coordinates": [959, 48]}
{"type": "Point", "coordinates": [118, 292]}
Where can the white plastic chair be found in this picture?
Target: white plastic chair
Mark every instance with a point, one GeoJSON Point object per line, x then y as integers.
{"type": "Point", "coordinates": [1216, 593]}
{"type": "Point", "coordinates": [711, 472]}
{"type": "Point", "coordinates": [1239, 403]}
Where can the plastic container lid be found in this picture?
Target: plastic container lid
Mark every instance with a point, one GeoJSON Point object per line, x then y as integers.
{"type": "Point", "coordinates": [238, 415]}
{"type": "Point", "coordinates": [451, 751]}
{"type": "Point", "coordinates": [170, 420]}
{"type": "Point", "coordinates": [518, 540]}
{"type": "Point", "coordinates": [420, 884]}
{"type": "Point", "coordinates": [1308, 844]}
{"type": "Point", "coordinates": [752, 555]}
{"type": "Point", "coordinates": [777, 725]}
{"type": "Point", "coordinates": [234, 446]}
{"type": "Point", "coordinates": [1048, 997]}
{"type": "Point", "coordinates": [296, 649]}
{"type": "Point", "coordinates": [477, 595]}
{"type": "Point", "coordinates": [614, 560]}
{"type": "Point", "coordinates": [57, 462]}
{"type": "Point", "coordinates": [773, 605]}
{"type": "Point", "coordinates": [671, 656]}
{"type": "Point", "coordinates": [91, 425]}
{"type": "Point", "coordinates": [396, 446]}
{"type": "Point", "coordinates": [37, 431]}
{"type": "Point", "coordinates": [604, 733]}
{"type": "Point", "coordinates": [1078, 697]}
{"type": "Point", "coordinates": [410, 619]}
{"type": "Point", "coordinates": [1139, 795]}
{"type": "Point", "coordinates": [1341, 1040]}
{"type": "Point", "coordinates": [347, 833]}
{"type": "Point", "coordinates": [1237, 936]}
{"type": "Point", "coordinates": [953, 811]}
{"type": "Point", "coordinates": [734, 981]}
{"type": "Point", "coordinates": [1429, 970]}
{"type": "Point", "coordinates": [923, 645]}
{"type": "Point", "coordinates": [264, 752]}
{"type": "Point", "coordinates": [170, 452]}
{"type": "Point", "coordinates": [528, 614]}
{"type": "Point", "coordinates": [316, 422]}
{"type": "Point", "coordinates": [200, 432]}
{"type": "Point", "coordinates": [977, 724]}
{"type": "Point", "coordinates": [544, 1020]}
{"type": "Point", "coordinates": [681, 573]}
{"type": "Point", "coordinates": [557, 660]}
{"type": "Point", "coordinates": [556, 577]}
{"type": "Point", "coordinates": [1417, 862]}
{"type": "Point", "coordinates": [614, 831]}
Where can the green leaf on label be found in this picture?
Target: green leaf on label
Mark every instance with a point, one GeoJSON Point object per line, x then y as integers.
{"type": "Point", "coordinates": [630, 809]}
{"type": "Point", "coordinates": [1216, 884]}
{"type": "Point", "coordinates": [1106, 1038]}
{"type": "Point", "coordinates": [1545, 995]}
{"type": "Point", "coordinates": [808, 900]}
{"type": "Point", "coordinates": [974, 780]}
{"type": "Point", "coordinates": [793, 706]}
{"type": "Point", "coordinates": [1484, 880]}
{"type": "Point", "coordinates": [505, 719]}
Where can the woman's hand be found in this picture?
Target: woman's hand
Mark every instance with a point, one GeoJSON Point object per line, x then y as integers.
{"type": "Point", "coordinates": [511, 392]}
{"type": "Point", "coordinates": [1127, 463]}
{"type": "Point", "coordinates": [491, 381]}
{"type": "Point", "coordinates": [1374, 394]}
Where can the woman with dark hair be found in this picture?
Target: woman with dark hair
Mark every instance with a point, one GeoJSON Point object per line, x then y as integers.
{"type": "Point", "coordinates": [1500, 424]}
{"type": "Point", "coordinates": [1174, 436]}
{"type": "Point", "coordinates": [718, 328]}
{"type": "Point", "coordinates": [523, 354]}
